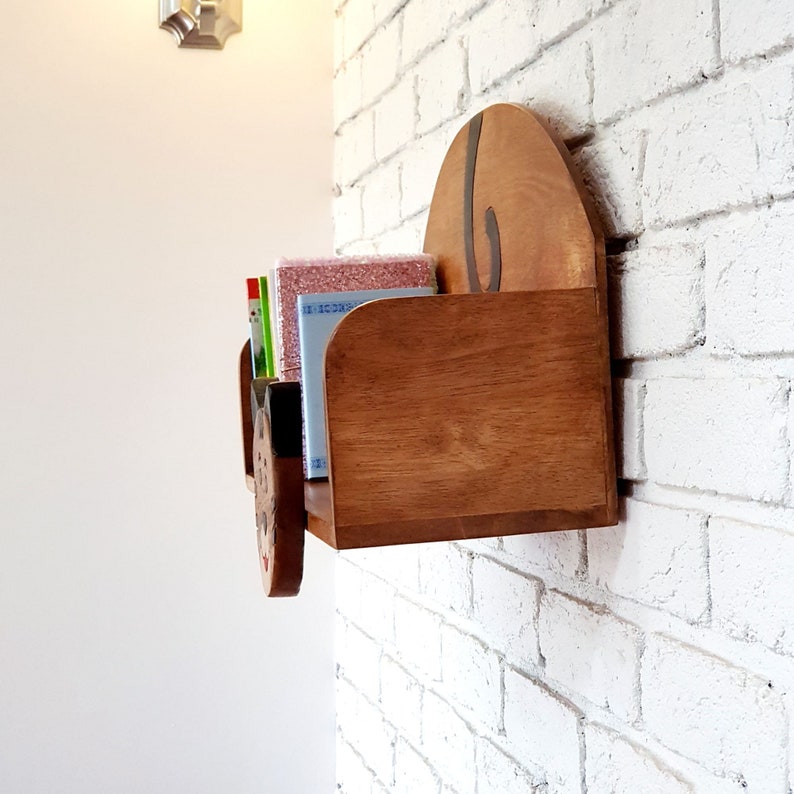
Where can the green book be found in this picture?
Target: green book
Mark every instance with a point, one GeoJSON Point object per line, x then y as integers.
{"type": "Point", "coordinates": [267, 334]}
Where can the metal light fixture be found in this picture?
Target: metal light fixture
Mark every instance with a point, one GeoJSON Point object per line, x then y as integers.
{"type": "Point", "coordinates": [205, 24]}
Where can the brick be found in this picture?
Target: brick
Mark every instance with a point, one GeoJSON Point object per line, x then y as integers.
{"type": "Point", "coordinates": [559, 552]}
{"type": "Point", "coordinates": [444, 576]}
{"type": "Point", "coordinates": [362, 725]}
{"type": "Point", "coordinates": [725, 435]}
{"type": "Point", "coordinates": [720, 147]}
{"type": "Point", "coordinates": [505, 608]}
{"type": "Point", "coordinates": [347, 586]}
{"type": "Point", "coordinates": [354, 149]}
{"type": "Point", "coordinates": [425, 22]}
{"type": "Point", "coordinates": [348, 217]}
{"type": "Point", "coordinates": [406, 238]}
{"type": "Point", "coordinates": [382, 57]}
{"type": "Point", "coordinates": [339, 39]}
{"type": "Point", "coordinates": [555, 19]}
{"type": "Point", "coordinates": [752, 568]}
{"type": "Point", "coordinates": [727, 719]}
{"type": "Point", "coordinates": [471, 676]}
{"type": "Point", "coordinates": [412, 774]}
{"type": "Point", "coordinates": [750, 282]}
{"type": "Point", "coordinates": [440, 85]}
{"type": "Point", "coordinates": [557, 87]}
{"type": "Point", "coordinates": [358, 660]}
{"type": "Point", "coordinates": [348, 91]}
{"type": "Point", "coordinates": [611, 168]}
{"type": "Point", "coordinates": [385, 9]}
{"type": "Point", "coordinates": [641, 50]}
{"type": "Point", "coordinates": [421, 163]}
{"type": "Point", "coordinates": [749, 30]}
{"type": "Point", "coordinates": [418, 638]}
{"type": "Point", "coordinates": [656, 555]}
{"type": "Point", "coordinates": [614, 766]}
{"type": "Point", "coordinates": [352, 775]}
{"type": "Point", "coordinates": [497, 773]}
{"type": "Point", "coordinates": [401, 699]}
{"type": "Point", "coordinates": [394, 118]}
{"type": "Point", "coordinates": [543, 731]}
{"type": "Point", "coordinates": [381, 198]}
{"type": "Point", "coordinates": [448, 743]}
{"type": "Point", "coordinates": [590, 652]}
{"type": "Point", "coordinates": [398, 565]}
{"type": "Point", "coordinates": [501, 38]}
{"type": "Point", "coordinates": [377, 608]}
{"type": "Point", "coordinates": [358, 19]}
{"type": "Point", "coordinates": [656, 299]}
{"type": "Point", "coordinates": [629, 396]}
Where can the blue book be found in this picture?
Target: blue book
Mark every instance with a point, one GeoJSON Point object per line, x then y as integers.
{"type": "Point", "coordinates": [318, 315]}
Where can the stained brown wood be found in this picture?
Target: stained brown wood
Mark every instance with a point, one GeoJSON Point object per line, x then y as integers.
{"type": "Point", "coordinates": [473, 415]}
{"type": "Point", "coordinates": [320, 511]}
{"type": "Point", "coordinates": [547, 229]}
{"type": "Point", "coordinates": [246, 418]}
{"type": "Point", "coordinates": [278, 477]}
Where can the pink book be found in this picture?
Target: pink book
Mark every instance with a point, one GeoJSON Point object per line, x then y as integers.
{"type": "Point", "coordinates": [295, 277]}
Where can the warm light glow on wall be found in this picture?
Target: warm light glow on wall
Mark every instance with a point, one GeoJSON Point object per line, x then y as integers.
{"type": "Point", "coordinates": [205, 24]}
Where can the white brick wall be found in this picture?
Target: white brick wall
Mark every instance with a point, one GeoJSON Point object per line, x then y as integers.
{"type": "Point", "coordinates": [657, 656]}
{"type": "Point", "coordinates": [705, 709]}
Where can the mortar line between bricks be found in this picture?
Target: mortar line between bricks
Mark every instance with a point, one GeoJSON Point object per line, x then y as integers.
{"type": "Point", "coordinates": [428, 684]}
{"type": "Point", "coordinates": [378, 709]}
{"type": "Point", "coordinates": [698, 363]}
{"type": "Point", "coordinates": [717, 26]}
{"type": "Point", "coordinates": [477, 731]}
{"type": "Point", "coordinates": [556, 689]}
{"type": "Point", "coordinates": [789, 496]}
{"type": "Point", "coordinates": [762, 202]}
{"type": "Point", "coordinates": [749, 511]}
{"type": "Point", "coordinates": [455, 24]}
{"type": "Point", "coordinates": [405, 69]}
{"type": "Point", "coordinates": [358, 755]}
{"type": "Point", "coordinates": [582, 754]}
{"type": "Point", "coordinates": [721, 647]}
{"type": "Point", "coordinates": [765, 58]}
{"type": "Point", "coordinates": [650, 619]}
{"type": "Point", "coordinates": [706, 542]}
{"type": "Point", "coordinates": [730, 72]}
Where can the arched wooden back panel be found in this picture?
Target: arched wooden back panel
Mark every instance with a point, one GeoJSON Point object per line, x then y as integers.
{"type": "Point", "coordinates": [506, 194]}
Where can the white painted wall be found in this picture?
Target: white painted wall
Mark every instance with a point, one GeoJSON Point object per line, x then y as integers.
{"type": "Point", "coordinates": [139, 185]}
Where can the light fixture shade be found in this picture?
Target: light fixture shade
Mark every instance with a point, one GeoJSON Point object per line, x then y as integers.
{"type": "Point", "coordinates": [205, 24]}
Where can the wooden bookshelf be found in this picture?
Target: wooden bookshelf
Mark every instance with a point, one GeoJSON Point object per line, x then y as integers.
{"type": "Point", "coordinates": [485, 410]}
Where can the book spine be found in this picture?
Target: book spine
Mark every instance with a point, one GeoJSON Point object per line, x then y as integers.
{"type": "Point", "coordinates": [258, 361]}
{"type": "Point", "coordinates": [267, 335]}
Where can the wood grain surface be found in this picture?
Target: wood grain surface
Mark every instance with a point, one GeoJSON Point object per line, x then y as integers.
{"type": "Point", "coordinates": [246, 417]}
{"type": "Point", "coordinates": [548, 232]}
{"type": "Point", "coordinates": [278, 477]}
{"type": "Point", "coordinates": [472, 415]}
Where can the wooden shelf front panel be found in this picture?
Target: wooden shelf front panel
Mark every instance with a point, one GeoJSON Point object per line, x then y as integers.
{"type": "Point", "coordinates": [457, 416]}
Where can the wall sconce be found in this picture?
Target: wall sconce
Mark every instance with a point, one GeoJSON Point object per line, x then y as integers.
{"type": "Point", "coordinates": [204, 24]}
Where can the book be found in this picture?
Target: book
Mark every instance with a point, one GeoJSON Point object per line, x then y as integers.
{"type": "Point", "coordinates": [258, 354]}
{"type": "Point", "coordinates": [318, 316]}
{"type": "Point", "coordinates": [267, 336]}
{"type": "Point", "coordinates": [273, 317]}
{"type": "Point", "coordinates": [294, 277]}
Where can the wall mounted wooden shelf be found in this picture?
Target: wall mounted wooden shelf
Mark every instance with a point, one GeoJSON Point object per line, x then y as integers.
{"type": "Point", "coordinates": [486, 410]}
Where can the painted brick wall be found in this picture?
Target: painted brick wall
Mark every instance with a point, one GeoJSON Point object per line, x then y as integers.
{"type": "Point", "coordinates": [656, 656]}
